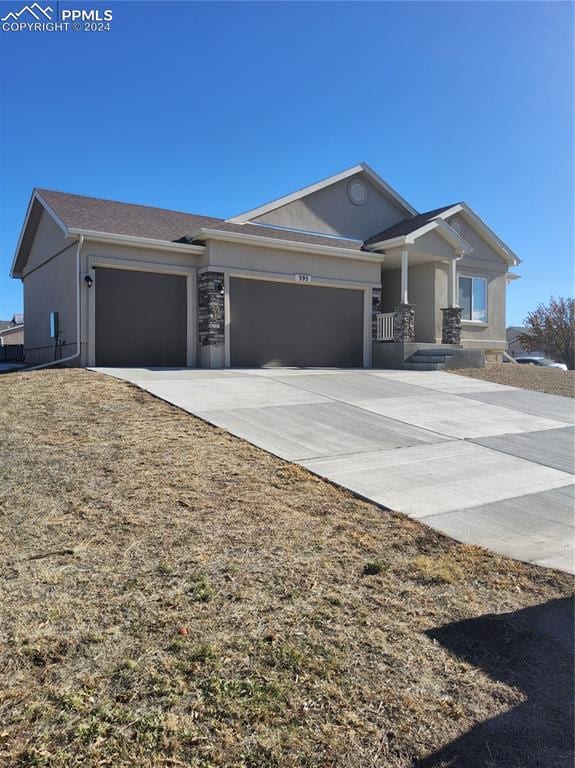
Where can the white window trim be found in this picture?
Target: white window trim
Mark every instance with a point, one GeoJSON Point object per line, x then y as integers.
{"type": "Point", "coordinates": [486, 281]}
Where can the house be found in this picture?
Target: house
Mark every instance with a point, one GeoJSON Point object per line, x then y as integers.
{"type": "Point", "coordinates": [11, 342]}
{"type": "Point", "coordinates": [14, 335]}
{"type": "Point", "coordinates": [514, 347]}
{"type": "Point", "coordinates": [344, 272]}
{"type": "Point", "coordinates": [12, 331]}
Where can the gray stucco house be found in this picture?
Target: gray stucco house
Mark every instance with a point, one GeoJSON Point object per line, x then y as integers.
{"type": "Point", "coordinates": [514, 346]}
{"type": "Point", "coordinates": [344, 272]}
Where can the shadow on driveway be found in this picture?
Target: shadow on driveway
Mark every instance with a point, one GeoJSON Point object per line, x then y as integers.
{"type": "Point", "coordinates": [531, 650]}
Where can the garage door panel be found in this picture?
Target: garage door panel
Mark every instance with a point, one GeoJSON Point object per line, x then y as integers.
{"type": "Point", "coordinates": [275, 324]}
{"type": "Point", "coordinates": [141, 318]}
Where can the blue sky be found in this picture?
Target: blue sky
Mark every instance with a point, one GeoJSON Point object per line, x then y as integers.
{"type": "Point", "coordinates": [216, 107]}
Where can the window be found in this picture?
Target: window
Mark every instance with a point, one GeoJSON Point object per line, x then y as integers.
{"type": "Point", "coordinates": [473, 299]}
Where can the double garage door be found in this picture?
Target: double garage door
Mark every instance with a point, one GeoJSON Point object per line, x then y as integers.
{"type": "Point", "coordinates": [141, 320]}
{"type": "Point", "coordinates": [275, 324]}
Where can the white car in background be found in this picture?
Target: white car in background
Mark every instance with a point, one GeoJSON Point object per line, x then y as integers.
{"type": "Point", "coordinates": [536, 360]}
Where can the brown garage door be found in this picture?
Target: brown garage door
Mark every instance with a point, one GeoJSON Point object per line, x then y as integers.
{"type": "Point", "coordinates": [301, 325]}
{"type": "Point", "coordinates": [141, 318]}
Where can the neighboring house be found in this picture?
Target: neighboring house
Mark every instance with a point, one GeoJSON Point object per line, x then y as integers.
{"type": "Point", "coordinates": [11, 340]}
{"type": "Point", "coordinates": [514, 347]}
{"type": "Point", "coordinates": [12, 335]}
{"type": "Point", "coordinates": [12, 331]}
{"type": "Point", "coordinates": [340, 273]}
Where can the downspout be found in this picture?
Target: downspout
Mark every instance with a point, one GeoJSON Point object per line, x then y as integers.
{"type": "Point", "coordinates": [78, 317]}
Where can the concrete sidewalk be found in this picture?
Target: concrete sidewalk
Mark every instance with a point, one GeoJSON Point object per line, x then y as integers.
{"type": "Point", "coordinates": [484, 463]}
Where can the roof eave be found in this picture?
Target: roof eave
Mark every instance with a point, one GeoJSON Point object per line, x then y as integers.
{"type": "Point", "coordinates": [143, 242]}
{"type": "Point", "coordinates": [443, 229]}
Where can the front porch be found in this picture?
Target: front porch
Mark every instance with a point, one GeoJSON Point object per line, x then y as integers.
{"type": "Point", "coordinates": [417, 323]}
{"type": "Point", "coordinates": [410, 316]}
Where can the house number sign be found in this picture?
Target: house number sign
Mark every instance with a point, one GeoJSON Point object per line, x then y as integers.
{"type": "Point", "coordinates": [303, 278]}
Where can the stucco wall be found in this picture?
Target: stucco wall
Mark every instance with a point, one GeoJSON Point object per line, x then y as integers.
{"type": "Point", "coordinates": [331, 211]}
{"type": "Point", "coordinates": [289, 263]}
{"type": "Point", "coordinates": [432, 243]}
{"type": "Point", "coordinates": [50, 288]}
{"type": "Point", "coordinates": [421, 292]}
{"type": "Point", "coordinates": [483, 253]}
{"type": "Point", "coordinates": [148, 256]}
{"type": "Point", "coordinates": [48, 240]}
{"type": "Point", "coordinates": [390, 289]}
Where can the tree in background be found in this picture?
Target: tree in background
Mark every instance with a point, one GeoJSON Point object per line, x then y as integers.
{"type": "Point", "coordinates": [551, 328]}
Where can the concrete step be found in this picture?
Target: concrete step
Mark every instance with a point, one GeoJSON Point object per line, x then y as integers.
{"type": "Point", "coordinates": [423, 366]}
{"type": "Point", "coordinates": [428, 358]}
{"type": "Point", "coordinates": [434, 351]}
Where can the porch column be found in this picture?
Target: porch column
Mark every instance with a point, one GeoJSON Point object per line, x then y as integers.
{"type": "Point", "coordinates": [404, 276]}
{"type": "Point", "coordinates": [451, 321]}
{"type": "Point", "coordinates": [404, 318]}
{"type": "Point", "coordinates": [452, 297]}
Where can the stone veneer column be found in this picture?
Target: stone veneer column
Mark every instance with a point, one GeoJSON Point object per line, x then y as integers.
{"type": "Point", "coordinates": [375, 310]}
{"type": "Point", "coordinates": [211, 319]}
{"type": "Point", "coordinates": [451, 325]}
{"type": "Point", "coordinates": [404, 323]}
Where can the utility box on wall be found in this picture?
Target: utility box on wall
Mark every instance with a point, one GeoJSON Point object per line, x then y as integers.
{"type": "Point", "coordinates": [54, 325]}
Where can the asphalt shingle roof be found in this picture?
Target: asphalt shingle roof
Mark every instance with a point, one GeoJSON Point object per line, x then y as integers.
{"type": "Point", "coordinates": [406, 226]}
{"type": "Point", "coordinates": [91, 213]}
{"type": "Point", "coordinates": [79, 212]}
{"type": "Point", "coordinates": [109, 216]}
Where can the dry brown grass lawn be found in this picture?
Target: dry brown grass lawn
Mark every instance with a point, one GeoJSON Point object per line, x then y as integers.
{"type": "Point", "coordinates": [172, 596]}
{"type": "Point", "coordinates": [549, 380]}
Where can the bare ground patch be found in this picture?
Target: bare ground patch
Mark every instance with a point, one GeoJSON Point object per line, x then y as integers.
{"type": "Point", "coordinates": [552, 381]}
{"type": "Point", "coordinates": [172, 596]}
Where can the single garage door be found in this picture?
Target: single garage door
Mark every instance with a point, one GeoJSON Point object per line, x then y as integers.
{"type": "Point", "coordinates": [289, 324]}
{"type": "Point", "coordinates": [141, 318]}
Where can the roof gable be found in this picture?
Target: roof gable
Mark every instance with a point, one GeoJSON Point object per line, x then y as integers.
{"type": "Point", "coordinates": [76, 214]}
{"type": "Point", "coordinates": [482, 230]}
{"type": "Point", "coordinates": [268, 213]}
{"type": "Point", "coordinates": [406, 226]}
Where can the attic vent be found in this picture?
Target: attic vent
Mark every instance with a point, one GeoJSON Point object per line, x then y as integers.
{"type": "Point", "coordinates": [357, 192]}
{"type": "Point", "coordinates": [456, 225]}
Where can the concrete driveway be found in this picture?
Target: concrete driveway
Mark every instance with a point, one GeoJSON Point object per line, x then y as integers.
{"type": "Point", "coordinates": [484, 463]}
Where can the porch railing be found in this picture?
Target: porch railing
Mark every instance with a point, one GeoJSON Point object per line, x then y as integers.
{"type": "Point", "coordinates": [384, 331]}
